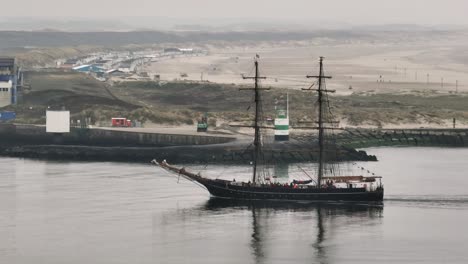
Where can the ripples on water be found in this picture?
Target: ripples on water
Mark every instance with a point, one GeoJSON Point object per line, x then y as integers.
{"type": "Point", "coordinates": [126, 213]}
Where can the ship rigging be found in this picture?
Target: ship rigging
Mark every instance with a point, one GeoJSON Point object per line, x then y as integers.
{"type": "Point", "coordinates": [262, 187]}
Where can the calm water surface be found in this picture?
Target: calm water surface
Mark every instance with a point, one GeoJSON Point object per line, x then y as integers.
{"type": "Point", "coordinates": [125, 213]}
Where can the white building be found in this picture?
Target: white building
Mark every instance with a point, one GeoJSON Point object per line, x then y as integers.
{"type": "Point", "coordinates": [5, 93]}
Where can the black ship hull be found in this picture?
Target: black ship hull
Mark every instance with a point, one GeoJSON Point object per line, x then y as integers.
{"type": "Point", "coordinates": [224, 189]}
{"type": "Point", "coordinates": [245, 191]}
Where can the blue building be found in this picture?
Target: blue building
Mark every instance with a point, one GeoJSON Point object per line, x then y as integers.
{"type": "Point", "coordinates": [9, 79]}
{"type": "Point", "coordinates": [88, 68]}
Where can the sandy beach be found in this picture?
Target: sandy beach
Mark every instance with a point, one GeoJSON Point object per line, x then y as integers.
{"type": "Point", "coordinates": [355, 67]}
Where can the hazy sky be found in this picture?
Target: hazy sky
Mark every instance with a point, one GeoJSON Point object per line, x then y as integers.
{"type": "Point", "coordinates": [347, 11]}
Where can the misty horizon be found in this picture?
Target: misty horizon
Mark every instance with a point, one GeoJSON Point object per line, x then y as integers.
{"type": "Point", "coordinates": [169, 24]}
{"type": "Point", "coordinates": [145, 14]}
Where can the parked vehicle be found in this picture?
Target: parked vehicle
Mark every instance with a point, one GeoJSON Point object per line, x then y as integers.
{"type": "Point", "coordinates": [202, 125]}
{"type": "Point", "coordinates": [121, 122]}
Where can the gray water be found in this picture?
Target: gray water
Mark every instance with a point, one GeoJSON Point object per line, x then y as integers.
{"type": "Point", "coordinates": [125, 213]}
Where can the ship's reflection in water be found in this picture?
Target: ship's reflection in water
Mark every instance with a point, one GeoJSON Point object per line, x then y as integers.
{"type": "Point", "coordinates": [60, 212]}
{"type": "Point", "coordinates": [264, 211]}
{"type": "Point", "coordinates": [269, 231]}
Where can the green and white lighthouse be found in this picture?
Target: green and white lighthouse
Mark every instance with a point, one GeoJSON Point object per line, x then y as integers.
{"type": "Point", "coordinates": [282, 122]}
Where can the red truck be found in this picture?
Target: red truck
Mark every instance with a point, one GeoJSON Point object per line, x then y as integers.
{"type": "Point", "coordinates": [121, 122]}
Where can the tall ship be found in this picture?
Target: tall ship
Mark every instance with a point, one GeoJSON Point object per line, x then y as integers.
{"type": "Point", "coordinates": [326, 185]}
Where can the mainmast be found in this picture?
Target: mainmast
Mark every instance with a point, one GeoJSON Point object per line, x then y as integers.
{"type": "Point", "coordinates": [321, 77]}
{"type": "Point", "coordinates": [257, 140]}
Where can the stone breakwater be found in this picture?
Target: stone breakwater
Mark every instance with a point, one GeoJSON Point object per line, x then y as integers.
{"type": "Point", "coordinates": [218, 153]}
{"type": "Point", "coordinates": [101, 145]}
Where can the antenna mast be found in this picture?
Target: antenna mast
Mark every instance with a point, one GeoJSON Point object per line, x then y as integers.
{"type": "Point", "coordinates": [321, 77]}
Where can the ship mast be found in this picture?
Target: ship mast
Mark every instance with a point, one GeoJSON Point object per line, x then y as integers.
{"type": "Point", "coordinates": [321, 80]}
{"type": "Point", "coordinates": [257, 140]}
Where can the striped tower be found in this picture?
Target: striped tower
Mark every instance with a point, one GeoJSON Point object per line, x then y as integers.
{"type": "Point", "coordinates": [281, 126]}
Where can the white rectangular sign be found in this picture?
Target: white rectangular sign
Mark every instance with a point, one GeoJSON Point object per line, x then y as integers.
{"type": "Point", "coordinates": [58, 121]}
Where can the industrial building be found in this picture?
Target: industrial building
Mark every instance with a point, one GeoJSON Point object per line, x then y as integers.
{"type": "Point", "coordinates": [9, 80]}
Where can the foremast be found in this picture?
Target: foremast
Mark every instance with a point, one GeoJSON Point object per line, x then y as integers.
{"type": "Point", "coordinates": [257, 137]}
{"type": "Point", "coordinates": [321, 128]}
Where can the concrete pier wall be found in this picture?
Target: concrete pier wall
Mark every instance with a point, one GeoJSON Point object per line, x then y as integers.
{"type": "Point", "coordinates": [36, 135]}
